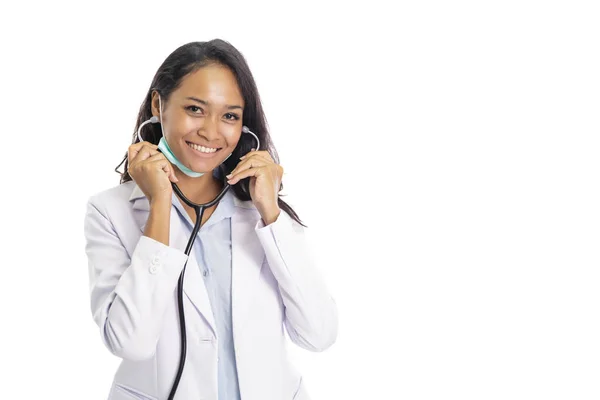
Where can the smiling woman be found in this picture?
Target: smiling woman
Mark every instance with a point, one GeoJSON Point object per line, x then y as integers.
{"type": "Point", "coordinates": [250, 271]}
{"type": "Point", "coordinates": [208, 93]}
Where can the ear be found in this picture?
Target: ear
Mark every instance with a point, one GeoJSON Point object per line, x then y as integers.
{"type": "Point", "coordinates": [154, 104]}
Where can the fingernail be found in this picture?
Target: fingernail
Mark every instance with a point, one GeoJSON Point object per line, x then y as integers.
{"type": "Point", "coordinates": [229, 176]}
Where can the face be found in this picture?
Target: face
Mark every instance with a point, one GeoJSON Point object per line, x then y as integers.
{"type": "Point", "coordinates": [202, 120]}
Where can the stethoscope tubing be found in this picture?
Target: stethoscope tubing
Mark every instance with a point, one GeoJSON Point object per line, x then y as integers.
{"type": "Point", "coordinates": [199, 209]}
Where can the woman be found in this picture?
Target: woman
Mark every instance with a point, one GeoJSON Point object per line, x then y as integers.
{"type": "Point", "coordinates": [249, 272]}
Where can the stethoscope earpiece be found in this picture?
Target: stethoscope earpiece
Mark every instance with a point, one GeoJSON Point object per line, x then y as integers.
{"type": "Point", "coordinates": [246, 130]}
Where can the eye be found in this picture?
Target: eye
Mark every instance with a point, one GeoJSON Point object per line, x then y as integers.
{"type": "Point", "coordinates": [232, 117]}
{"type": "Point", "coordinates": [194, 109]}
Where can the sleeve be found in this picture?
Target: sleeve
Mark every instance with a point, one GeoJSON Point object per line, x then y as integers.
{"type": "Point", "coordinates": [311, 317]}
{"type": "Point", "coordinates": [129, 295]}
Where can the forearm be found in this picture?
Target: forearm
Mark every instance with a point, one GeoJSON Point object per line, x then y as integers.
{"type": "Point", "coordinates": [159, 220]}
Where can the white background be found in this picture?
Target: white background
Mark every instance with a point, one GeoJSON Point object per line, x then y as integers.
{"type": "Point", "coordinates": [443, 154]}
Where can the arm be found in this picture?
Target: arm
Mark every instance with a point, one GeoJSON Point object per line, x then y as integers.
{"type": "Point", "coordinates": [130, 295]}
{"type": "Point", "coordinates": [310, 312]}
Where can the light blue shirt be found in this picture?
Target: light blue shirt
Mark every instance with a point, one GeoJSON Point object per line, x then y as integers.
{"type": "Point", "coordinates": [213, 252]}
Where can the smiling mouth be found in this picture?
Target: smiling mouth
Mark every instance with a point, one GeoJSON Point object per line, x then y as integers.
{"type": "Point", "coordinates": [202, 149]}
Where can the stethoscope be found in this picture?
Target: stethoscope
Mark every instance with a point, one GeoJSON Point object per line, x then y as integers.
{"type": "Point", "coordinates": [199, 209]}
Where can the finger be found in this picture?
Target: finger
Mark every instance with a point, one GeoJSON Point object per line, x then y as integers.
{"type": "Point", "coordinates": [142, 152]}
{"type": "Point", "coordinates": [161, 161]}
{"type": "Point", "coordinates": [157, 157]}
{"type": "Point", "coordinates": [170, 169]}
{"type": "Point", "coordinates": [245, 174]}
{"type": "Point", "coordinates": [135, 148]}
{"type": "Point", "coordinates": [252, 162]}
{"type": "Point", "coordinates": [256, 155]}
{"type": "Point", "coordinates": [146, 149]}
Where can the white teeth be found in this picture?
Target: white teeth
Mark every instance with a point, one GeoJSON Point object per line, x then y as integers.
{"type": "Point", "coordinates": [202, 148]}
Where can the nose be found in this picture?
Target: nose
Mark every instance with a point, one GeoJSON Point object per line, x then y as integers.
{"type": "Point", "coordinates": [209, 129]}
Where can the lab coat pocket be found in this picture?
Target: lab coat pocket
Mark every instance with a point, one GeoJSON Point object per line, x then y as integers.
{"type": "Point", "coordinates": [123, 392]}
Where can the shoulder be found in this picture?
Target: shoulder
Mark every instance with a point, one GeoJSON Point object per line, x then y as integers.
{"type": "Point", "coordinates": [115, 196]}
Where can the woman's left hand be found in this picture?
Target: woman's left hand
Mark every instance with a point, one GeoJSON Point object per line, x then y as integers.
{"type": "Point", "coordinates": [265, 181]}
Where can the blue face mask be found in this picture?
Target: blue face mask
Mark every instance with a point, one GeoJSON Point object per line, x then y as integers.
{"type": "Point", "coordinates": [166, 150]}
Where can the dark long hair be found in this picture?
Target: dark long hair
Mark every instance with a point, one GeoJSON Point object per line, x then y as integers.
{"type": "Point", "coordinates": [187, 59]}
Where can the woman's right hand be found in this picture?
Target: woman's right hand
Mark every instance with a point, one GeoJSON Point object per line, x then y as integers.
{"type": "Point", "coordinates": [151, 170]}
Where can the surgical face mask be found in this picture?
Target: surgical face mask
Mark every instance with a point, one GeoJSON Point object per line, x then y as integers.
{"type": "Point", "coordinates": [166, 150]}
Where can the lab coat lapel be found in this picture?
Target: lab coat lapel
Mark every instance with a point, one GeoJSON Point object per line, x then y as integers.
{"type": "Point", "coordinates": [193, 284]}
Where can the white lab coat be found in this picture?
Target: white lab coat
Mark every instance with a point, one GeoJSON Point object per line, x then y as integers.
{"type": "Point", "coordinates": [133, 286]}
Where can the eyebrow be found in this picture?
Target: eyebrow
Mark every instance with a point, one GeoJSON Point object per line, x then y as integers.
{"type": "Point", "coordinates": [206, 103]}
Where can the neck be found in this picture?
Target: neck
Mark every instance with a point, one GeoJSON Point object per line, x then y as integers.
{"type": "Point", "coordinates": [199, 190]}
